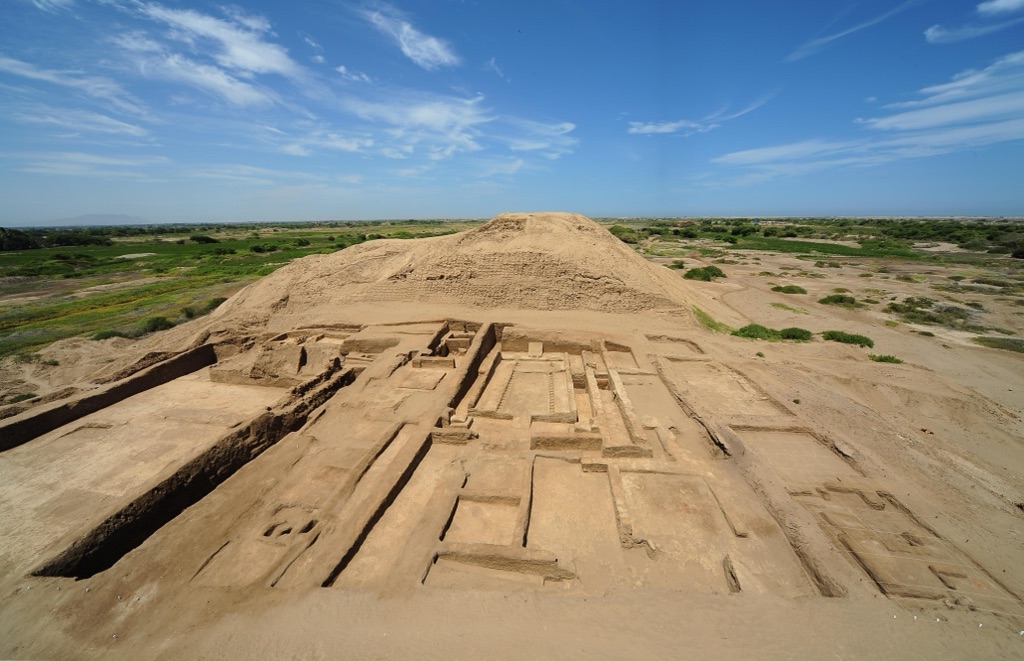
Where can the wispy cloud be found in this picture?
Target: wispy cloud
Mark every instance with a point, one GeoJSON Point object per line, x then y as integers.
{"type": "Point", "coordinates": [649, 128]}
{"type": "Point", "coordinates": [937, 34]}
{"type": "Point", "coordinates": [492, 65]}
{"type": "Point", "coordinates": [973, 109]}
{"type": "Point", "coordinates": [97, 87]}
{"type": "Point", "coordinates": [53, 6]}
{"type": "Point", "coordinates": [690, 127]}
{"type": "Point", "coordinates": [551, 140]}
{"type": "Point", "coordinates": [995, 7]}
{"type": "Point", "coordinates": [80, 164]}
{"type": "Point", "coordinates": [426, 51]}
{"type": "Point", "coordinates": [355, 76]}
{"type": "Point", "coordinates": [78, 121]}
{"type": "Point", "coordinates": [816, 44]}
{"type": "Point", "coordinates": [239, 43]}
{"type": "Point", "coordinates": [440, 125]}
{"type": "Point", "coordinates": [325, 139]}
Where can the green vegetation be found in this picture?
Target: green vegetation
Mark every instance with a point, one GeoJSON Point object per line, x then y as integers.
{"type": "Point", "coordinates": [841, 300]}
{"type": "Point", "coordinates": [1008, 343]}
{"type": "Point", "coordinates": [794, 333]}
{"type": "Point", "coordinates": [783, 306]}
{"type": "Point", "coordinates": [107, 281]}
{"type": "Point", "coordinates": [709, 322]}
{"type": "Point", "coordinates": [759, 332]}
{"type": "Point", "coordinates": [884, 358]}
{"type": "Point", "coordinates": [789, 289]}
{"type": "Point", "coordinates": [875, 238]}
{"type": "Point", "coordinates": [20, 397]}
{"type": "Point", "coordinates": [676, 264]}
{"type": "Point", "coordinates": [704, 273]}
{"type": "Point", "coordinates": [923, 310]}
{"type": "Point", "coordinates": [848, 338]}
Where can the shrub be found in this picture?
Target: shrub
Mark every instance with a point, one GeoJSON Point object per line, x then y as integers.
{"type": "Point", "coordinates": [884, 358]}
{"type": "Point", "coordinates": [107, 334]}
{"type": "Point", "coordinates": [794, 333]}
{"type": "Point", "coordinates": [188, 311]}
{"type": "Point", "coordinates": [212, 305]}
{"type": "Point", "coordinates": [757, 332]}
{"type": "Point", "coordinates": [838, 299]}
{"type": "Point", "coordinates": [676, 264]}
{"type": "Point", "coordinates": [202, 238]}
{"type": "Point", "coordinates": [1008, 343]}
{"type": "Point", "coordinates": [154, 324]}
{"type": "Point", "coordinates": [704, 273]}
{"type": "Point", "coordinates": [302, 242]}
{"type": "Point", "coordinates": [848, 338]}
{"type": "Point", "coordinates": [21, 397]}
{"type": "Point", "coordinates": [789, 289]}
{"type": "Point", "coordinates": [624, 234]}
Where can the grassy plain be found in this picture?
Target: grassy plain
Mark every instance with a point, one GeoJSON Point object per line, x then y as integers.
{"type": "Point", "coordinates": [119, 278]}
{"type": "Point", "coordinates": [122, 280]}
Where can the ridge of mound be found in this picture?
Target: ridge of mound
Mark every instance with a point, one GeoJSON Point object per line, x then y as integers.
{"type": "Point", "coordinates": [538, 261]}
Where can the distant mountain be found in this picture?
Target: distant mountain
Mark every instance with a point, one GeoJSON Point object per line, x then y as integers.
{"type": "Point", "coordinates": [98, 219]}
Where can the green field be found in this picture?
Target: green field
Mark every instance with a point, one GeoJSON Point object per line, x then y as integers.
{"type": "Point", "coordinates": [78, 283]}
{"type": "Point", "coordinates": [59, 283]}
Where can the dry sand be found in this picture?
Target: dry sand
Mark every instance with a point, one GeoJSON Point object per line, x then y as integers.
{"type": "Point", "coordinates": [517, 442]}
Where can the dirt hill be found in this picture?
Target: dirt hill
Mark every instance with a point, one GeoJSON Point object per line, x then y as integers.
{"type": "Point", "coordinates": [533, 261]}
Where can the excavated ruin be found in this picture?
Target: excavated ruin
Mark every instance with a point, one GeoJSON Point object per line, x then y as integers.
{"type": "Point", "coordinates": [526, 407]}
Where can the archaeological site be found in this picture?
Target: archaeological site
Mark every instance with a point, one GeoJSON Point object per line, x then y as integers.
{"type": "Point", "coordinates": [517, 441]}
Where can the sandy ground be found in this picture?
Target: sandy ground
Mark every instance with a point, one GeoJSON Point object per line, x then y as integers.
{"type": "Point", "coordinates": [518, 442]}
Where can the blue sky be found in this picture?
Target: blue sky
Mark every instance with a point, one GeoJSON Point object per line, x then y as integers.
{"type": "Point", "coordinates": [203, 111]}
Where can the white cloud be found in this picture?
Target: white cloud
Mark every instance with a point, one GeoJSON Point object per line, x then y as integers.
{"type": "Point", "coordinates": [787, 152]}
{"type": "Point", "coordinates": [974, 109]}
{"type": "Point", "coordinates": [937, 34]}
{"type": "Point", "coordinates": [156, 61]}
{"type": "Point", "coordinates": [80, 164]}
{"type": "Point", "coordinates": [240, 45]}
{"type": "Point", "coordinates": [318, 59]}
{"type": "Point", "coordinates": [210, 79]}
{"type": "Point", "coordinates": [441, 125]}
{"type": "Point", "coordinates": [1006, 74]}
{"type": "Point", "coordinates": [78, 121]}
{"type": "Point", "coordinates": [649, 128]}
{"type": "Point", "coordinates": [506, 167]}
{"type": "Point", "coordinates": [328, 140]}
{"type": "Point", "coordinates": [53, 6]}
{"type": "Point", "coordinates": [357, 76]}
{"type": "Point", "coordinates": [690, 127]}
{"type": "Point", "coordinates": [97, 87]}
{"type": "Point", "coordinates": [492, 65]}
{"type": "Point", "coordinates": [994, 7]}
{"type": "Point", "coordinates": [818, 43]}
{"type": "Point", "coordinates": [426, 51]}
{"type": "Point", "coordinates": [551, 140]}
{"type": "Point", "coordinates": [988, 108]}
{"type": "Point", "coordinates": [254, 22]}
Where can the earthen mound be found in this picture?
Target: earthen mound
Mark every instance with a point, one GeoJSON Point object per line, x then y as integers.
{"type": "Point", "coordinates": [536, 261]}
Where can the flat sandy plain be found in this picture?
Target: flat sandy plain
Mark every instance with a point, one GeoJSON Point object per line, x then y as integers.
{"type": "Point", "coordinates": [516, 442]}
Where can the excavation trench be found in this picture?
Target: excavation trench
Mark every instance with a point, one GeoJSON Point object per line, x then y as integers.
{"type": "Point", "coordinates": [133, 524]}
